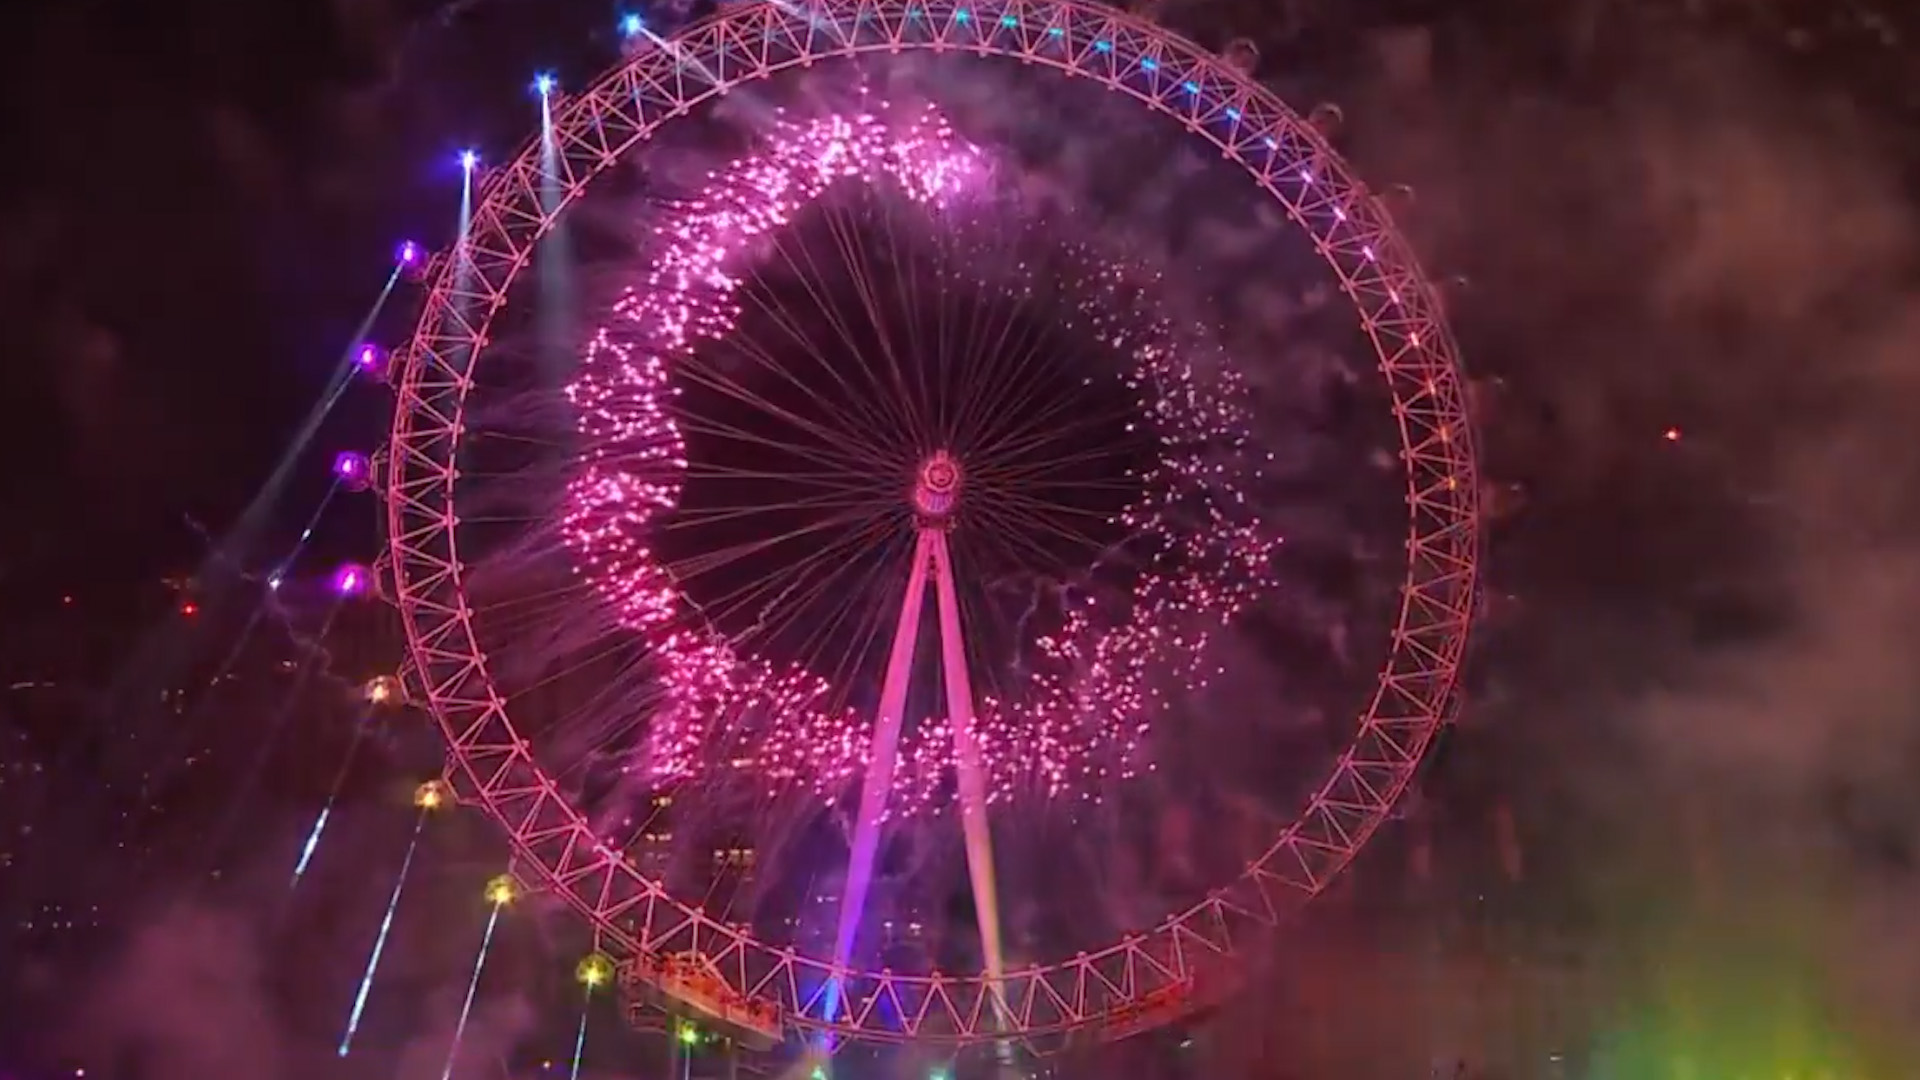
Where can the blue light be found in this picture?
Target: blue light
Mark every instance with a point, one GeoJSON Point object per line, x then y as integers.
{"type": "Point", "coordinates": [631, 25]}
{"type": "Point", "coordinates": [1192, 87]}
{"type": "Point", "coordinates": [1103, 46]}
{"type": "Point", "coordinates": [963, 15]}
{"type": "Point", "coordinates": [1054, 31]}
{"type": "Point", "coordinates": [1009, 21]}
{"type": "Point", "coordinates": [1233, 114]}
{"type": "Point", "coordinates": [1150, 65]}
{"type": "Point", "coordinates": [543, 84]}
{"type": "Point", "coordinates": [469, 159]}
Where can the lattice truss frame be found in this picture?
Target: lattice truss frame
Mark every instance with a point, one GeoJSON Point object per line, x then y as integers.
{"type": "Point", "coordinates": [1399, 311]}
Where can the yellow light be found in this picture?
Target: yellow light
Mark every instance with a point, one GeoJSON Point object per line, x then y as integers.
{"type": "Point", "coordinates": [381, 690]}
{"type": "Point", "coordinates": [431, 795]}
{"type": "Point", "coordinates": [689, 1034]}
{"type": "Point", "coordinates": [501, 891]}
{"type": "Point", "coordinates": [595, 970]}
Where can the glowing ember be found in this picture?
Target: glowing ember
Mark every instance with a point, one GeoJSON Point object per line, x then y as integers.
{"type": "Point", "coordinates": [1097, 679]}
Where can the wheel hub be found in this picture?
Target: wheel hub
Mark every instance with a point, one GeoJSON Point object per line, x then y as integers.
{"type": "Point", "coordinates": [936, 487]}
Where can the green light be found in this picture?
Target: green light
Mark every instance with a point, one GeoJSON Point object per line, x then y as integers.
{"type": "Point", "coordinates": [819, 1072]}
{"type": "Point", "coordinates": [688, 1034]}
{"type": "Point", "coordinates": [937, 1074]}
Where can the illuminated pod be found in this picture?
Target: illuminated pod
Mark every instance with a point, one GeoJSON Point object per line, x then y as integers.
{"type": "Point", "coordinates": [1086, 705]}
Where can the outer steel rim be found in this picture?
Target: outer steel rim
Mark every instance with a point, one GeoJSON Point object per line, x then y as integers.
{"type": "Point", "coordinates": [1136, 980]}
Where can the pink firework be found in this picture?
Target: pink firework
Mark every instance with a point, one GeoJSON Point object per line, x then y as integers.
{"type": "Point", "coordinates": [1099, 677]}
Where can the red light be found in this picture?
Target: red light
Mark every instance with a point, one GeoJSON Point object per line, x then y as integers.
{"type": "Point", "coordinates": [1673, 434]}
{"type": "Point", "coordinates": [189, 609]}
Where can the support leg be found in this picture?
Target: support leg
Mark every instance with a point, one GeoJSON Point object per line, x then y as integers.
{"type": "Point", "coordinates": [882, 757]}
{"type": "Point", "coordinates": [972, 784]}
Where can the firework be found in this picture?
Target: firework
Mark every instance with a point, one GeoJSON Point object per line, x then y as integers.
{"type": "Point", "coordinates": [1099, 675]}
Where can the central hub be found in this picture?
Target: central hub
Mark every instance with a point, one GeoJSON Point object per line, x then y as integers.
{"type": "Point", "coordinates": [936, 487]}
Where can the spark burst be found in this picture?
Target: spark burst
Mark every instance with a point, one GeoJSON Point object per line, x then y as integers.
{"type": "Point", "coordinates": [1099, 677]}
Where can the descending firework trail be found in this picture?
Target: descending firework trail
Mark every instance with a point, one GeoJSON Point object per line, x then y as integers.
{"type": "Point", "coordinates": [380, 939]}
{"type": "Point", "coordinates": [500, 897]}
{"type": "Point", "coordinates": [319, 830]}
{"type": "Point", "coordinates": [1100, 670]}
{"type": "Point", "coordinates": [579, 1045]}
{"type": "Point", "coordinates": [311, 664]}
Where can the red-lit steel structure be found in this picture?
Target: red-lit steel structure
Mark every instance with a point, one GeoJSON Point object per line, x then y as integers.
{"type": "Point", "coordinates": [1150, 977]}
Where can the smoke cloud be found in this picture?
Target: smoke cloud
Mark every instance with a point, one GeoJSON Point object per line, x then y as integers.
{"type": "Point", "coordinates": [1708, 696]}
{"type": "Point", "coordinates": [249, 978]}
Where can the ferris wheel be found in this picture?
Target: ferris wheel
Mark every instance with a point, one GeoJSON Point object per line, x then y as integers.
{"type": "Point", "coordinates": [890, 484]}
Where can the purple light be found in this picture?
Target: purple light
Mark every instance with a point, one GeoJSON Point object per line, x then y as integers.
{"type": "Point", "coordinates": [352, 470]}
{"type": "Point", "coordinates": [369, 359]}
{"type": "Point", "coordinates": [352, 579]}
{"type": "Point", "coordinates": [408, 254]}
{"type": "Point", "coordinates": [469, 159]}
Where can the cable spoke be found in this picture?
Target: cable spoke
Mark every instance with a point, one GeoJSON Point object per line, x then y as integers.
{"type": "Point", "coordinates": [854, 260]}
{"type": "Point", "coordinates": [851, 598]}
{"type": "Point", "coordinates": [873, 425]}
{"type": "Point", "coordinates": [795, 599]}
{"type": "Point", "coordinates": [871, 414]}
{"type": "Point", "coordinates": [836, 441]}
{"type": "Point", "coordinates": [706, 562]}
{"type": "Point", "coordinates": [723, 607]}
{"type": "Point", "coordinates": [697, 517]}
{"type": "Point", "coordinates": [721, 430]}
{"type": "Point", "coordinates": [1042, 431]}
{"type": "Point", "coordinates": [1012, 476]}
{"type": "Point", "coordinates": [905, 424]}
{"type": "Point", "coordinates": [834, 481]}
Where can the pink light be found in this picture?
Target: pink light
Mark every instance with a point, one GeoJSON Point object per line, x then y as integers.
{"type": "Point", "coordinates": [352, 580]}
{"type": "Point", "coordinates": [633, 470]}
{"type": "Point", "coordinates": [353, 470]}
{"type": "Point", "coordinates": [408, 254]}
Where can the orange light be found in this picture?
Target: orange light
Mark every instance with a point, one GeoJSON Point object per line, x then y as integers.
{"type": "Point", "coordinates": [502, 891]}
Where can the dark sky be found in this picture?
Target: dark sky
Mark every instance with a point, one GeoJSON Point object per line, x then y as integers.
{"type": "Point", "coordinates": [204, 200]}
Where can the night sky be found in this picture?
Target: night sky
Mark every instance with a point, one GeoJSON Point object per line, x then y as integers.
{"type": "Point", "coordinates": [203, 220]}
{"type": "Point", "coordinates": [1683, 241]}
